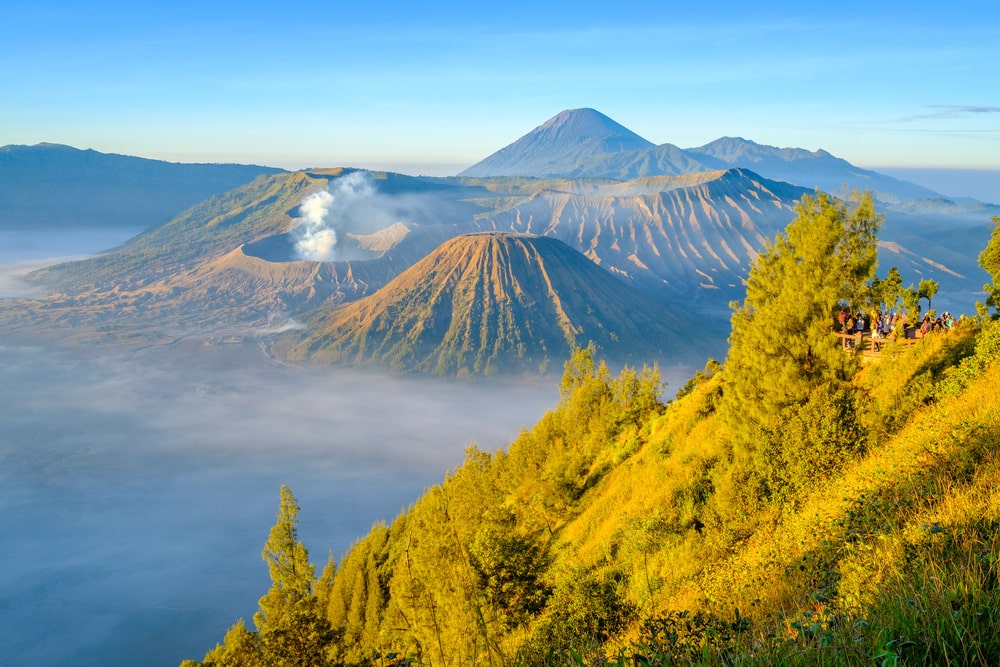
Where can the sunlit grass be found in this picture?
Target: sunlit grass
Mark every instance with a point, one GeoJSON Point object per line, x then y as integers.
{"type": "Point", "coordinates": [893, 561]}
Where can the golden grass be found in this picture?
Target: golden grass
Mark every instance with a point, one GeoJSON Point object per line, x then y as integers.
{"type": "Point", "coordinates": [881, 526]}
{"type": "Point", "coordinates": [853, 535]}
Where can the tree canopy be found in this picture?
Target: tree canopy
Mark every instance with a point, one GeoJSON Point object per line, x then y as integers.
{"type": "Point", "coordinates": [780, 346]}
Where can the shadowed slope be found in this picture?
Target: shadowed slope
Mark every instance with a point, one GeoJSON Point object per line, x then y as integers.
{"type": "Point", "coordinates": [812, 169]}
{"type": "Point", "coordinates": [489, 303]}
{"type": "Point", "coordinates": [50, 186]}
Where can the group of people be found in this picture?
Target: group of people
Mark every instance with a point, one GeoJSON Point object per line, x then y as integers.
{"type": "Point", "coordinates": [891, 325]}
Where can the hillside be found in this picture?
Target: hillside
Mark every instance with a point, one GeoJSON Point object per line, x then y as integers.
{"type": "Point", "coordinates": [50, 186]}
{"type": "Point", "coordinates": [491, 303]}
{"type": "Point", "coordinates": [230, 263]}
{"type": "Point", "coordinates": [618, 526]}
{"type": "Point", "coordinates": [683, 239]}
{"type": "Point", "coordinates": [801, 504]}
{"type": "Point", "coordinates": [267, 208]}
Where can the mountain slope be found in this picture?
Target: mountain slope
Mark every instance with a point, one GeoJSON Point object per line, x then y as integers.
{"type": "Point", "coordinates": [619, 526]}
{"type": "Point", "coordinates": [683, 236]}
{"type": "Point", "coordinates": [488, 303]}
{"type": "Point", "coordinates": [662, 160]}
{"type": "Point", "coordinates": [562, 146]}
{"type": "Point", "coordinates": [203, 232]}
{"type": "Point", "coordinates": [260, 215]}
{"type": "Point", "coordinates": [686, 239]}
{"type": "Point", "coordinates": [678, 236]}
{"type": "Point", "coordinates": [229, 264]}
{"type": "Point", "coordinates": [50, 186]}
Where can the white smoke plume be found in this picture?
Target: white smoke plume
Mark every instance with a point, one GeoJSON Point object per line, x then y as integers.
{"type": "Point", "coordinates": [320, 212]}
{"type": "Point", "coordinates": [314, 240]}
{"type": "Point", "coordinates": [276, 327]}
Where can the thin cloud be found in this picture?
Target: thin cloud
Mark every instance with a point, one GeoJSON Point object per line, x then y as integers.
{"type": "Point", "coordinates": [942, 112]}
{"type": "Point", "coordinates": [949, 111]}
{"type": "Point", "coordinates": [962, 109]}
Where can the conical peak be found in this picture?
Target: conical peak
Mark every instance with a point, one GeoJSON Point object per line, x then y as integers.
{"type": "Point", "coordinates": [583, 124]}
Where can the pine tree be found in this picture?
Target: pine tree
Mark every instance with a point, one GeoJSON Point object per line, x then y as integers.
{"type": "Point", "coordinates": [239, 648]}
{"type": "Point", "coordinates": [293, 630]}
{"type": "Point", "coordinates": [781, 349]}
{"type": "Point", "coordinates": [323, 589]}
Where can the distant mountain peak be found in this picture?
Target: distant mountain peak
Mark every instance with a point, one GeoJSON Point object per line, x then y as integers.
{"type": "Point", "coordinates": [568, 141]}
{"type": "Point", "coordinates": [731, 148]}
{"type": "Point", "coordinates": [732, 141]}
{"type": "Point", "coordinates": [586, 124]}
{"type": "Point", "coordinates": [584, 143]}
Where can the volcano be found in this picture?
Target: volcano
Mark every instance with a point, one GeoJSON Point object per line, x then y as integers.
{"type": "Point", "coordinates": [560, 145]}
{"type": "Point", "coordinates": [483, 304]}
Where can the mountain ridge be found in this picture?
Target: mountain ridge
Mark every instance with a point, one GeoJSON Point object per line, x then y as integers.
{"type": "Point", "coordinates": [54, 186]}
{"type": "Point", "coordinates": [542, 154]}
{"type": "Point", "coordinates": [686, 239]}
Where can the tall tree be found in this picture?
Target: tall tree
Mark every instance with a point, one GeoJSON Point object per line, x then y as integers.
{"type": "Point", "coordinates": [293, 630]}
{"type": "Point", "coordinates": [910, 296]}
{"type": "Point", "coordinates": [239, 648]}
{"type": "Point", "coordinates": [780, 347]}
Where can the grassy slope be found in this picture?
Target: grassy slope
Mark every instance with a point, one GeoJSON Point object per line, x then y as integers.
{"type": "Point", "coordinates": [894, 555]}
{"type": "Point", "coordinates": [896, 547]}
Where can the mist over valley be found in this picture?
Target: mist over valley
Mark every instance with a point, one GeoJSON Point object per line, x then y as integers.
{"type": "Point", "coordinates": [137, 486]}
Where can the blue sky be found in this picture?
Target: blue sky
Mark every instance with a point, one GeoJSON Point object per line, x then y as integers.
{"type": "Point", "coordinates": [433, 87]}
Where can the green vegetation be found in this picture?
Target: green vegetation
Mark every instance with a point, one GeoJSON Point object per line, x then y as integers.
{"type": "Point", "coordinates": [211, 228]}
{"type": "Point", "coordinates": [794, 506]}
{"type": "Point", "coordinates": [989, 259]}
{"type": "Point", "coordinates": [291, 628]}
{"type": "Point", "coordinates": [781, 351]}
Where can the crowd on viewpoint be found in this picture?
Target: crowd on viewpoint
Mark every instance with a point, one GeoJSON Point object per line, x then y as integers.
{"type": "Point", "coordinates": [891, 325]}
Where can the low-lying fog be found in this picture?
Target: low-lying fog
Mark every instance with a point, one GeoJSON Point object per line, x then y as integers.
{"type": "Point", "coordinates": [24, 251]}
{"type": "Point", "coordinates": [137, 490]}
{"type": "Point", "coordinates": [137, 487]}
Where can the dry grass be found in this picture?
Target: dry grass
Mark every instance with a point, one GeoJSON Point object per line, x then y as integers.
{"type": "Point", "coordinates": [893, 559]}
